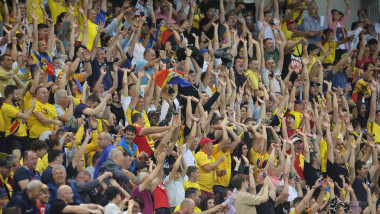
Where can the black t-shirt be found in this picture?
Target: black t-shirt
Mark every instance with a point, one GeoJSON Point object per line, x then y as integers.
{"type": "Point", "coordinates": [282, 208]}
{"type": "Point", "coordinates": [169, 160]}
{"type": "Point", "coordinates": [311, 174]}
{"type": "Point", "coordinates": [334, 170]}
{"type": "Point", "coordinates": [358, 188]}
{"type": "Point", "coordinates": [210, 32]}
{"type": "Point", "coordinates": [267, 207]}
{"type": "Point", "coordinates": [239, 79]}
{"type": "Point", "coordinates": [58, 205]}
{"type": "Point", "coordinates": [119, 113]}
{"type": "Point", "coordinates": [23, 174]}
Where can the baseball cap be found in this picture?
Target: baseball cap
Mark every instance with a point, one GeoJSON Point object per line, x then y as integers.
{"type": "Point", "coordinates": [290, 21]}
{"type": "Point", "coordinates": [45, 187]}
{"type": "Point", "coordinates": [295, 139]}
{"type": "Point", "coordinates": [205, 140]}
{"type": "Point", "coordinates": [5, 163]}
{"type": "Point", "coordinates": [312, 83]}
{"type": "Point", "coordinates": [204, 50]}
{"type": "Point", "coordinates": [2, 192]}
{"type": "Point", "coordinates": [298, 101]}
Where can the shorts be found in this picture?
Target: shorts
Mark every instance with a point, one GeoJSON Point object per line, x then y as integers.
{"type": "Point", "coordinates": [14, 142]}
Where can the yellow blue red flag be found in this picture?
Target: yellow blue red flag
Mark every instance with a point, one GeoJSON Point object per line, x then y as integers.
{"type": "Point", "coordinates": [169, 77]}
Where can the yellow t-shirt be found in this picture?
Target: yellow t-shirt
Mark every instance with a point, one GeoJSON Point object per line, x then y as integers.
{"type": "Point", "coordinates": [92, 30]}
{"type": "Point", "coordinates": [2, 124]}
{"type": "Point", "coordinates": [331, 57]}
{"type": "Point", "coordinates": [375, 129]}
{"type": "Point", "coordinates": [206, 179]}
{"type": "Point", "coordinates": [298, 116]}
{"type": "Point", "coordinates": [226, 164]}
{"type": "Point", "coordinates": [56, 9]}
{"type": "Point", "coordinates": [131, 112]}
{"type": "Point", "coordinates": [196, 209]}
{"type": "Point", "coordinates": [27, 100]}
{"type": "Point", "coordinates": [14, 126]}
{"type": "Point", "coordinates": [257, 159]}
{"type": "Point", "coordinates": [39, 13]}
{"type": "Point", "coordinates": [323, 154]}
{"type": "Point", "coordinates": [253, 76]}
{"type": "Point", "coordinates": [187, 184]}
{"type": "Point", "coordinates": [36, 127]}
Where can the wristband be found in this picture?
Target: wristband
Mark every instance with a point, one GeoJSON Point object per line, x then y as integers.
{"type": "Point", "coordinates": [108, 104]}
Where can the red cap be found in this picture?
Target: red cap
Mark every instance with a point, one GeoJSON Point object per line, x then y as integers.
{"type": "Point", "coordinates": [205, 140]}
{"type": "Point", "coordinates": [290, 21]}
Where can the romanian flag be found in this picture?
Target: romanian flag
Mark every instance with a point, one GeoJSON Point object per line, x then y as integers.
{"type": "Point", "coordinates": [44, 64]}
{"type": "Point", "coordinates": [169, 77]}
{"type": "Point", "coordinates": [163, 34]}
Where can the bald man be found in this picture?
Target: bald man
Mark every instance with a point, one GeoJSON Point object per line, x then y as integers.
{"type": "Point", "coordinates": [64, 203]}
{"type": "Point", "coordinates": [187, 207]}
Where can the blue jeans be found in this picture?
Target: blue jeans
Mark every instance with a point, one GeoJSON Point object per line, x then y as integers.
{"type": "Point", "coordinates": [218, 189]}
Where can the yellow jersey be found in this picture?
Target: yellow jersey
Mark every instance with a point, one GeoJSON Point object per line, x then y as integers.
{"type": "Point", "coordinates": [35, 126]}
{"type": "Point", "coordinates": [226, 164]}
{"type": "Point", "coordinates": [13, 126]}
{"type": "Point", "coordinates": [206, 179]}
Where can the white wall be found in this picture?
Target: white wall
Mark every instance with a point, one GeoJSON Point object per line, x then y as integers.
{"type": "Point", "coordinates": [335, 4]}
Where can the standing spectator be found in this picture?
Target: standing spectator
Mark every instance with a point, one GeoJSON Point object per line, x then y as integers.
{"type": "Point", "coordinates": [336, 21]}
{"type": "Point", "coordinates": [16, 130]}
{"type": "Point", "coordinates": [44, 115]}
{"type": "Point", "coordinates": [105, 143]}
{"type": "Point", "coordinates": [313, 22]}
{"type": "Point", "coordinates": [207, 166]}
{"type": "Point", "coordinates": [244, 201]}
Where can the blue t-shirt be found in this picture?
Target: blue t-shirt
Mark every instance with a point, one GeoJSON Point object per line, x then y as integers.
{"type": "Point", "coordinates": [140, 64]}
{"type": "Point", "coordinates": [337, 80]}
{"type": "Point", "coordinates": [101, 17]}
{"type": "Point", "coordinates": [107, 80]}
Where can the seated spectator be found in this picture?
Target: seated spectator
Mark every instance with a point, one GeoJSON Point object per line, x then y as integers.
{"type": "Point", "coordinates": [54, 158]}
{"type": "Point", "coordinates": [65, 204]}
{"type": "Point", "coordinates": [26, 199]}
{"type": "Point", "coordinates": [26, 173]}
{"type": "Point", "coordinates": [59, 176]}
{"type": "Point", "coordinates": [86, 186]}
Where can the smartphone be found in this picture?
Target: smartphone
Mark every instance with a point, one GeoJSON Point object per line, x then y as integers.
{"type": "Point", "coordinates": [298, 179]}
{"type": "Point", "coordinates": [153, 25]}
{"type": "Point", "coordinates": [141, 14]}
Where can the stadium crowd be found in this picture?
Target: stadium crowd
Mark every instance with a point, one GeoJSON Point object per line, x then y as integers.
{"type": "Point", "coordinates": [188, 106]}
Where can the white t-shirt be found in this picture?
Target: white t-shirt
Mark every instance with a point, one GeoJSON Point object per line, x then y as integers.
{"type": "Point", "coordinates": [175, 191]}
{"type": "Point", "coordinates": [269, 31]}
{"type": "Point", "coordinates": [264, 75]}
{"type": "Point", "coordinates": [189, 157]}
{"type": "Point", "coordinates": [111, 208]}
{"type": "Point", "coordinates": [125, 101]}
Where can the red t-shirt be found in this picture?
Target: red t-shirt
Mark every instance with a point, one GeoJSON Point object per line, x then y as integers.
{"type": "Point", "coordinates": [142, 142]}
{"type": "Point", "coordinates": [160, 197]}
